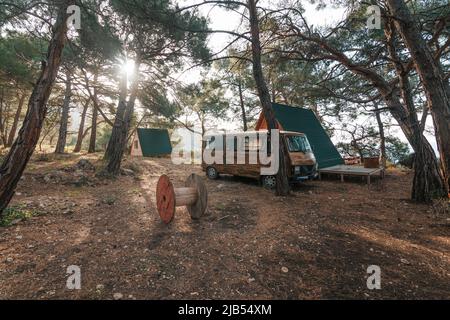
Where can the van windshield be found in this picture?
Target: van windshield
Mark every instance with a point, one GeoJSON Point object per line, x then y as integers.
{"type": "Point", "coordinates": [298, 144]}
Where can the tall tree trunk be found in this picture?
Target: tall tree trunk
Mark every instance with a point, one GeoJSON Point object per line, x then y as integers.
{"type": "Point", "coordinates": [111, 148]}
{"type": "Point", "coordinates": [81, 127]}
{"type": "Point", "coordinates": [241, 100]}
{"type": "Point", "coordinates": [118, 141]}
{"type": "Point", "coordinates": [202, 122]}
{"type": "Point", "coordinates": [436, 87]}
{"type": "Point", "coordinates": [93, 137]}
{"type": "Point", "coordinates": [62, 136]}
{"type": "Point", "coordinates": [2, 112]}
{"type": "Point", "coordinates": [282, 183]}
{"type": "Point", "coordinates": [428, 180]}
{"type": "Point", "coordinates": [381, 132]}
{"type": "Point", "coordinates": [15, 162]}
{"type": "Point", "coordinates": [274, 93]}
{"type": "Point", "coordinates": [12, 132]}
{"type": "Point", "coordinates": [5, 124]}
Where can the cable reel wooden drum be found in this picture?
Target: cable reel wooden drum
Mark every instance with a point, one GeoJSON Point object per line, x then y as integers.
{"type": "Point", "coordinates": [193, 195]}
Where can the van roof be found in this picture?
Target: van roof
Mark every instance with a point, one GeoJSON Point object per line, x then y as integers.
{"type": "Point", "coordinates": [245, 133]}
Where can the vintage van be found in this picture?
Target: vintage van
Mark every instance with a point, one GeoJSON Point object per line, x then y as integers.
{"type": "Point", "coordinates": [235, 154]}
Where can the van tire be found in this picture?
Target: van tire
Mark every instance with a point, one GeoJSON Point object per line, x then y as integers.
{"type": "Point", "coordinates": [212, 173]}
{"type": "Point", "coordinates": [269, 182]}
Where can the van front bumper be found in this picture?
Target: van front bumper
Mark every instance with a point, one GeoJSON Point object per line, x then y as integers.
{"type": "Point", "coordinates": [304, 178]}
{"type": "Point", "coordinates": [304, 172]}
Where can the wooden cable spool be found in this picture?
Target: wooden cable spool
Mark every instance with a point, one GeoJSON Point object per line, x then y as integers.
{"type": "Point", "coordinates": [193, 195]}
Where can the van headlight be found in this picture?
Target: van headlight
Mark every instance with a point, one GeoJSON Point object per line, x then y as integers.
{"type": "Point", "coordinates": [297, 169]}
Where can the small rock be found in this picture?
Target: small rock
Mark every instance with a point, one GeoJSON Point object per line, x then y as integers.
{"type": "Point", "coordinates": [404, 261]}
{"type": "Point", "coordinates": [194, 293]}
{"type": "Point", "coordinates": [285, 269]}
{"type": "Point", "coordinates": [9, 259]}
{"type": "Point", "coordinates": [126, 172]}
{"type": "Point", "coordinates": [15, 221]}
{"type": "Point", "coordinates": [250, 280]}
{"type": "Point", "coordinates": [117, 296]}
{"type": "Point", "coordinates": [100, 287]}
{"type": "Point", "coordinates": [19, 237]}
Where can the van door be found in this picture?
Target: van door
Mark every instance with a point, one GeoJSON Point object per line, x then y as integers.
{"type": "Point", "coordinates": [252, 146]}
{"type": "Point", "coordinates": [230, 154]}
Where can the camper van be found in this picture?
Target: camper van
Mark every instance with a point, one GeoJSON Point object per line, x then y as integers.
{"type": "Point", "coordinates": [239, 154]}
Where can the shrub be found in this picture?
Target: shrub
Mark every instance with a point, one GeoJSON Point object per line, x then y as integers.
{"type": "Point", "coordinates": [14, 214]}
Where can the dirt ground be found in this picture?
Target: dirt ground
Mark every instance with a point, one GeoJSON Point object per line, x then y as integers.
{"type": "Point", "coordinates": [315, 244]}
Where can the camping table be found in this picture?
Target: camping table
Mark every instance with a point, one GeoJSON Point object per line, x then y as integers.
{"type": "Point", "coordinates": [345, 170]}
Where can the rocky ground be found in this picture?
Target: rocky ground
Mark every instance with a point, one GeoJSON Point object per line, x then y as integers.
{"type": "Point", "coordinates": [315, 244]}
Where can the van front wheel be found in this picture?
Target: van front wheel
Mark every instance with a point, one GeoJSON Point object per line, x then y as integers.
{"type": "Point", "coordinates": [269, 182]}
{"type": "Point", "coordinates": [212, 173]}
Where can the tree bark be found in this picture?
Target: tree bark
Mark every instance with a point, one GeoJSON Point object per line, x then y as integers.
{"type": "Point", "coordinates": [12, 132]}
{"type": "Point", "coordinates": [62, 136]}
{"type": "Point", "coordinates": [15, 162]}
{"type": "Point", "coordinates": [3, 118]}
{"type": "Point", "coordinates": [112, 146]}
{"type": "Point", "coordinates": [282, 183]}
{"type": "Point", "coordinates": [2, 96]}
{"type": "Point", "coordinates": [81, 127]}
{"type": "Point", "coordinates": [241, 100]}
{"type": "Point", "coordinates": [118, 141]}
{"type": "Point", "coordinates": [93, 137]}
{"type": "Point", "coordinates": [428, 182]}
{"type": "Point", "coordinates": [437, 89]}
{"type": "Point", "coordinates": [382, 137]}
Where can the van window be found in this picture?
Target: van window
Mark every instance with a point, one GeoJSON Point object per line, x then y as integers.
{"type": "Point", "coordinates": [231, 143]}
{"type": "Point", "coordinates": [210, 143]}
{"type": "Point", "coordinates": [298, 144]}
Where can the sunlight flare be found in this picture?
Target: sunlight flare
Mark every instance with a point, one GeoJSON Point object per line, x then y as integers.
{"type": "Point", "coordinates": [128, 67]}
